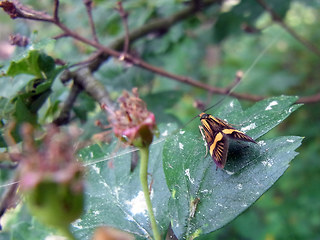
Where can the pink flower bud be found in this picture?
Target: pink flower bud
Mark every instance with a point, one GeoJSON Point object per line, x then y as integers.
{"type": "Point", "coordinates": [132, 123]}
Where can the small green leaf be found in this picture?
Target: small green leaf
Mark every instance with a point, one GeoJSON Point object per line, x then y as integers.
{"type": "Point", "coordinates": [46, 63]}
{"type": "Point", "coordinates": [35, 63]}
{"type": "Point", "coordinates": [26, 65]}
{"type": "Point", "coordinates": [23, 114]}
{"type": "Point", "coordinates": [251, 168]}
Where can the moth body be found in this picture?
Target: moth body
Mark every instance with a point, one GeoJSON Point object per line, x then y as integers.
{"type": "Point", "coordinates": [216, 133]}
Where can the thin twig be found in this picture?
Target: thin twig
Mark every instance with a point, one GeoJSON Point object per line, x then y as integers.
{"type": "Point", "coordinates": [61, 35]}
{"type": "Point", "coordinates": [88, 4]}
{"type": "Point", "coordinates": [124, 16]}
{"type": "Point", "coordinates": [56, 11]}
{"type": "Point", "coordinates": [236, 81]}
{"type": "Point", "coordinates": [87, 61]}
{"type": "Point", "coordinates": [310, 99]}
{"type": "Point", "coordinates": [277, 19]}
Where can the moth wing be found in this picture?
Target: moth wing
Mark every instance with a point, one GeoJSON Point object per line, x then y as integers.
{"type": "Point", "coordinates": [237, 135]}
{"type": "Point", "coordinates": [219, 149]}
{"type": "Point", "coordinates": [208, 137]}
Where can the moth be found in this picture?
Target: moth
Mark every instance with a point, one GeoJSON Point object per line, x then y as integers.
{"type": "Point", "coordinates": [216, 133]}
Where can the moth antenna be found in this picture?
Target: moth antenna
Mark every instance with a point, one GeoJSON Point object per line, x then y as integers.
{"type": "Point", "coordinates": [230, 89]}
{"type": "Point", "coordinates": [186, 124]}
{"type": "Point", "coordinates": [240, 75]}
{"type": "Point", "coordinates": [260, 56]}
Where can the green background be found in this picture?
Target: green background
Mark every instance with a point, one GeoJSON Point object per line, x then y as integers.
{"type": "Point", "coordinates": [210, 46]}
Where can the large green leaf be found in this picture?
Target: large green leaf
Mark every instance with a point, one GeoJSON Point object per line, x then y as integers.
{"type": "Point", "coordinates": [262, 117]}
{"type": "Point", "coordinates": [204, 199]}
{"type": "Point", "coordinates": [114, 193]}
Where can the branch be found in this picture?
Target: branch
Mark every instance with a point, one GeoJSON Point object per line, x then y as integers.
{"type": "Point", "coordinates": [68, 32]}
{"type": "Point", "coordinates": [277, 19]}
{"type": "Point", "coordinates": [64, 116]}
{"type": "Point", "coordinates": [81, 81]}
{"type": "Point", "coordinates": [92, 86]}
{"type": "Point", "coordinates": [190, 81]}
{"type": "Point", "coordinates": [151, 27]}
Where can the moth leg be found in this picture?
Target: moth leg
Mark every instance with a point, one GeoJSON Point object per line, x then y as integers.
{"type": "Point", "coordinates": [204, 138]}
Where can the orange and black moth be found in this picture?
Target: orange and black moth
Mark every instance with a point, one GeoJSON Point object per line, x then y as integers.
{"type": "Point", "coordinates": [216, 133]}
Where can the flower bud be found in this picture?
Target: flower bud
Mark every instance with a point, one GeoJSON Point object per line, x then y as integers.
{"type": "Point", "coordinates": [132, 123]}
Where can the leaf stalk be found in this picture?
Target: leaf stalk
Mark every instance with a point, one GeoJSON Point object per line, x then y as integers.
{"type": "Point", "coordinates": [144, 157]}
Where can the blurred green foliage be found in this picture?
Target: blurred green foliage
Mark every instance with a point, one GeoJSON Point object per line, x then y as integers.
{"type": "Point", "coordinates": [209, 46]}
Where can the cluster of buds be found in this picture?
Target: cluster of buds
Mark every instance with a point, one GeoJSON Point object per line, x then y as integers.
{"type": "Point", "coordinates": [132, 123]}
{"type": "Point", "coordinates": [18, 40]}
{"type": "Point", "coordinates": [51, 178]}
